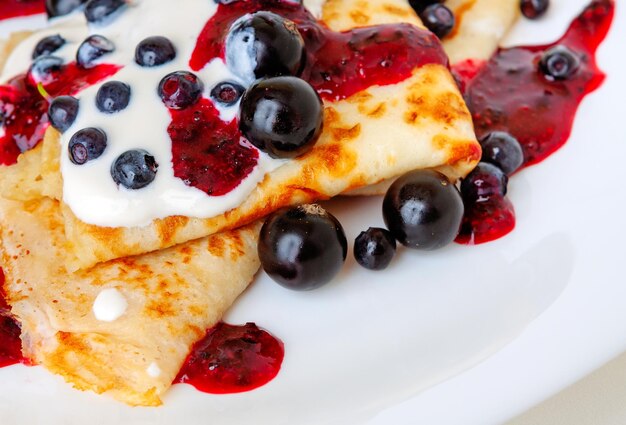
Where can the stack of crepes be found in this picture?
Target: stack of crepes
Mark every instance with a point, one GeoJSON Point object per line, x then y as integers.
{"type": "Point", "coordinates": [178, 275]}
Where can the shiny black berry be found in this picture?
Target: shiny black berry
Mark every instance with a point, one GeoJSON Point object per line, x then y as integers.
{"type": "Point", "coordinates": [423, 210]}
{"type": "Point", "coordinates": [113, 96]}
{"type": "Point", "coordinates": [86, 145]}
{"type": "Point", "coordinates": [91, 49]}
{"type": "Point", "coordinates": [302, 248]}
{"type": "Point", "coordinates": [534, 9]}
{"type": "Point", "coordinates": [502, 150]}
{"type": "Point", "coordinates": [438, 19]}
{"type": "Point", "coordinates": [45, 69]}
{"type": "Point", "coordinates": [48, 45]}
{"type": "Point", "coordinates": [154, 51]}
{"type": "Point", "coordinates": [56, 8]}
{"type": "Point", "coordinates": [134, 169]}
{"type": "Point", "coordinates": [62, 112]}
{"type": "Point", "coordinates": [282, 116]}
{"type": "Point", "coordinates": [101, 11]}
{"type": "Point", "coordinates": [485, 182]}
{"type": "Point", "coordinates": [420, 5]}
{"type": "Point", "coordinates": [264, 44]}
{"type": "Point", "coordinates": [559, 63]}
{"type": "Point", "coordinates": [375, 248]}
{"type": "Point", "coordinates": [180, 89]}
{"type": "Point", "coordinates": [227, 93]}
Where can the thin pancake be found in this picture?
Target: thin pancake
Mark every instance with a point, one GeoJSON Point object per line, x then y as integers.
{"type": "Point", "coordinates": [173, 296]}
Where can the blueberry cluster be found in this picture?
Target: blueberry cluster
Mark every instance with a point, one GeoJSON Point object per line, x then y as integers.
{"type": "Point", "coordinates": [135, 168]}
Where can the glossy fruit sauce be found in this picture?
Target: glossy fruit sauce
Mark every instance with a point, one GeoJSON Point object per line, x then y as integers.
{"type": "Point", "coordinates": [24, 105]}
{"type": "Point", "coordinates": [232, 359]}
{"type": "Point", "coordinates": [351, 61]}
{"type": "Point", "coordinates": [18, 8]}
{"type": "Point", "coordinates": [10, 343]}
{"type": "Point", "coordinates": [509, 93]}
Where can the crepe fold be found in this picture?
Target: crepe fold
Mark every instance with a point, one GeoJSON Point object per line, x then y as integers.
{"type": "Point", "coordinates": [173, 296]}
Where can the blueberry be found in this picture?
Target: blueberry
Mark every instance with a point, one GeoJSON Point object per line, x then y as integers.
{"type": "Point", "coordinates": [534, 9]}
{"type": "Point", "coordinates": [485, 182]}
{"type": "Point", "coordinates": [282, 116]}
{"type": "Point", "coordinates": [154, 51]}
{"type": "Point", "coordinates": [180, 89]}
{"type": "Point", "coordinates": [264, 44]}
{"type": "Point", "coordinates": [559, 63]}
{"type": "Point", "coordinates": [48, 45]}
{"type": "Point", "coordinates": [134, 169]}
{"type": "Point", "coordinates": [113, 96]}
{"type": "Point", "coordinates": [375, 248]}
{"type": "Point", "coordinates": [438, 19]}
{"type": "Point", "coordinates": [423, 210]}
{"type": "Point", "coordinates": [62, 112]}
{"type": "Point", "coordinates": [86, 145]}
{"type": "Point", "coordinates": [420, 5]}
{"type": "Point", "coordinates": [227, 93]}
{"type": "Point", "coordinates": [302, 248]}
{"type": "Point", "coordinates": [45, 69]}
{"type": "Point", "coordinates": [101, 11]}
{"type": "Point", "coordinates": [502, 150]}
{"type": "Point", "coordinates": [56, 8]}
{"type": "Point", "coordinates": [91, 49]}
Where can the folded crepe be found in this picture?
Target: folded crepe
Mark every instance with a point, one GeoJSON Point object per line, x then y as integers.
{"type": "Point", "coordinates": [372, 136]}
{"type": "Point", "coordinates": [56, 266]}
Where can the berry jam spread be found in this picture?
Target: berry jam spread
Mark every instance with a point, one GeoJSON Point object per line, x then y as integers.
{"type": "Point", "coordinates": [351, 61]}
{"type": "Point", "coordinates": [337, 65]}
{"type": "Point", "coordinates": [209, 154]}
{"type": "Point", "coordinates": [24, 110]}
{"type": "Point", "coordinates": [16, 8]}
{"type": "Point", "coordinates": [509, 93]}
{"type": "Point", "coordinates": [10, 343]}
{"type": "Point", "coordinates": [232, 359]}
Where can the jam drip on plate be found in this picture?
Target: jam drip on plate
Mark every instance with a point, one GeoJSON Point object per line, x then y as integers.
{"type": "Point", "coordinates": [24, 105]}
{"type": "Point", "coordinates": [209, 154]}
{"type": "Point", "coordinates": [10, 343]}
{"type": "Point", "coordinates": [232, 359]}
{"type": "Point", "coordinates": [17, 8]}
{"type": "Point", "coordinates": [510, 93]}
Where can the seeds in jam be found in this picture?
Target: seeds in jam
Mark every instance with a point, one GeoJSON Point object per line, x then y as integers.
{"type": "Point", "coordinates": [232, 359]}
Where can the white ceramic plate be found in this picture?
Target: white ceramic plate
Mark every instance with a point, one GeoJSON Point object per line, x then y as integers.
{"type": "Point", "coordinates": [537, 309]}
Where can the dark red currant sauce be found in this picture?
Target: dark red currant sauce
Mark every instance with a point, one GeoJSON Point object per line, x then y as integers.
{"type": "Point", "coordinates": [24, 109]}
{"type": "Point", "coordinates": [17, 8]}
{"type": "Point", "coordinates": [337, 65]}
{"type": "Point", "coordinates": [232, 359]}
{"type": "Point", "coordinates": [10, 343]}
{"type": "Point", "coordinates": [509, 93]}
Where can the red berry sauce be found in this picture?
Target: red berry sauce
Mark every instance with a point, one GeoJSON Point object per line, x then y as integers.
{"type": "Point", "coordinates": [209, 154]}
{"type": "Point", "coordinates": [10, 343]}
{"type": "Point", "coordinates": [510, 94]}
{"type": "Point", "coordinates": [232, 359]}
{"type": "Point", "coordinates": [16, 8]}
{"type": "Point", "coordinates": [337, 65]}
{"type": "Point", "coordinates": [24, 110]}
